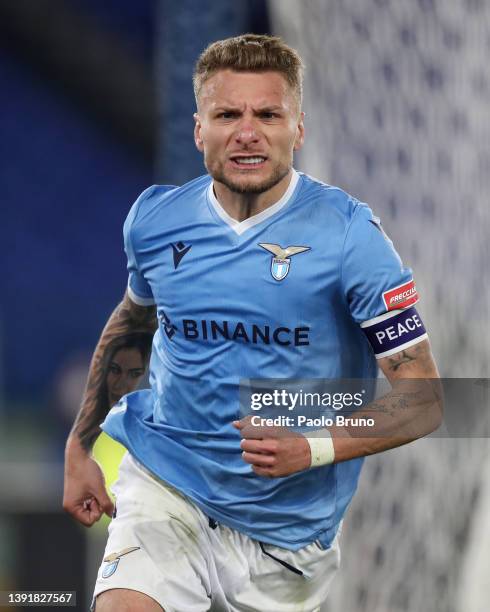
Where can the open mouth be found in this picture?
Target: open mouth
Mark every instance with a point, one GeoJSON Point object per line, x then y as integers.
{"type": "Point", "coordinates": [248, 162]}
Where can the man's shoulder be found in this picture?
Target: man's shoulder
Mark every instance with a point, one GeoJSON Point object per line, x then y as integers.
{"type": "Point", "coordinates": [329, 198]}
{"type": "Point", "coordinates": [158, 197]}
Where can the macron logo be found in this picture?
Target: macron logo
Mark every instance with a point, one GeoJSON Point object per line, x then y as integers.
{"type": "Point", "coordinates": [180, 250]}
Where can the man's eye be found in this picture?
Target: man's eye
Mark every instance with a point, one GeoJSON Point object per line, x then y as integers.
{"type": "Point", "coordinates": [227, 115]}
{"type": "Point", "coordinates": [269, 115]}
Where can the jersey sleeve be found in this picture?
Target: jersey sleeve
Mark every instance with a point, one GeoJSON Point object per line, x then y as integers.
{"type": "Point", "coordinates": [138, 288]}
{"type": "Point", "coordinates": [379, 289]}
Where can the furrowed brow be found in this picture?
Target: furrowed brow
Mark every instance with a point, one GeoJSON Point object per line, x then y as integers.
{"type": "Point", "coordinates": [229, 108]}
{"type": "Point", "coordinates": [269, 109]}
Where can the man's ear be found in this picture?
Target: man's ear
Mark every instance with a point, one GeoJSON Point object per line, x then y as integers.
{"type": "Point", "coordinates": [197, 133]}
{"type": "Point", "coordinates": [300, 133]}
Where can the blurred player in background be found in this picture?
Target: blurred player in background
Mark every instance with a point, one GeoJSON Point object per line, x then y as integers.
{"type": "Point", "coordinates": [251, 271]}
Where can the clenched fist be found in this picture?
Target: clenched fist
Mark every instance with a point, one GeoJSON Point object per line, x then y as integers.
{"type": "Point", "coordinates": [273, 452]}
{"type": "Point", "coordinates": [85, 496]}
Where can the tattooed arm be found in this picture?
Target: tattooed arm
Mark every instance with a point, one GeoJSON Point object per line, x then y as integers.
{"type": "Point", "coordinates": [85, 496]}
{"type": "Point", "coordinates": [412, 409]}
{"type": "Point", "coordinates": [128, 318]}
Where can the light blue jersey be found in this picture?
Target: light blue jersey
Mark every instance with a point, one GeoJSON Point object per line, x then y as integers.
{"type": "Point", "coordinates": [282, 294]}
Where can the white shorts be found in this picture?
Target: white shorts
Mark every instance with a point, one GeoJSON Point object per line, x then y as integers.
{"type": "Point", "coordinates": [162, 545]}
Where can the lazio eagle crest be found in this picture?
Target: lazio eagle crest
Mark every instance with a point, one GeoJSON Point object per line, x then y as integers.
{"type": "Point", "coordinates": [281, 259]}
{"type": "Point", "coordinates": [112, 560]}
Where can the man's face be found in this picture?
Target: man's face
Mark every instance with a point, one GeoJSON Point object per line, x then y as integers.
{"type": "Point", "coordinates": [248, 124]}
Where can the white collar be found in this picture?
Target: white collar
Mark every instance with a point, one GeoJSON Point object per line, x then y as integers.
{"type": "Point", "coordinates": [242, 226]}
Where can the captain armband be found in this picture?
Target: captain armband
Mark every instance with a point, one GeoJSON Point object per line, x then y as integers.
{"type": "Point", "coordinates": [321, 448]}
{"type": "Point", "coordinates": [394, 331]}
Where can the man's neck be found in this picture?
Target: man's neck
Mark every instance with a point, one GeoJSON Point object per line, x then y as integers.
{"type": "Point", "coordinates": [241, 206]}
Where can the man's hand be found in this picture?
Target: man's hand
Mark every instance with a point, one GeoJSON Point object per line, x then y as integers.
{"type": "Point", "coordinates": [85, 496]}
{"type": "Point", "coordinates": [273, 452]}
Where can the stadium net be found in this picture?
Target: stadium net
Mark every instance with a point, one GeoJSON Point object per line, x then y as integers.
{"type": "Point", "coordinates": [397, 99]}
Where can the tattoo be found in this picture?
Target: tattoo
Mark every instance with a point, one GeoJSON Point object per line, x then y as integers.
{"type": "Point", "coordinates": [406, 399]}
{"type": "Point", "coordinates": [399, 360]}
{"type": "Point", "coordinates": [395, 401]}
{"type": "Point", "coordinates": [411, 409]}
{"type": "Point", "coordinates": [123, 348]}
{"type": "Point", "coordinates": [414, 362]}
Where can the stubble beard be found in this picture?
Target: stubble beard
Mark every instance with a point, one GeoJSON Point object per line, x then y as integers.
{"type": "Point", "coordinates": [218, 174]}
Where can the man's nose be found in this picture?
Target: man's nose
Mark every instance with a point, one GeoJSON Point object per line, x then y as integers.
{"type": "Point", "coordinates": [247, 133]}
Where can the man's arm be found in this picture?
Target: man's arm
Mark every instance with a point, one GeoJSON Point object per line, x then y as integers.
{"type": "Point", "coordinates": [127, 318]}
{"type": "Point", "coordinates": [85, 496]}
{"type": "Point", "coordinates": [411, 410]}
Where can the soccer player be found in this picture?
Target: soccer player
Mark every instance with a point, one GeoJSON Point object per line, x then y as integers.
{"type": "Point", "coordinates": [251, 271]}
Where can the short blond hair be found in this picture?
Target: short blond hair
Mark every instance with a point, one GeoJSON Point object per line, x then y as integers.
{"type": "Point", "coordinates": [250, 53]}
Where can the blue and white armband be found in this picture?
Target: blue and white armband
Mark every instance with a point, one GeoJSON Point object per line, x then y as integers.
{"type": "Point", "coordinates": [394, 331]}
